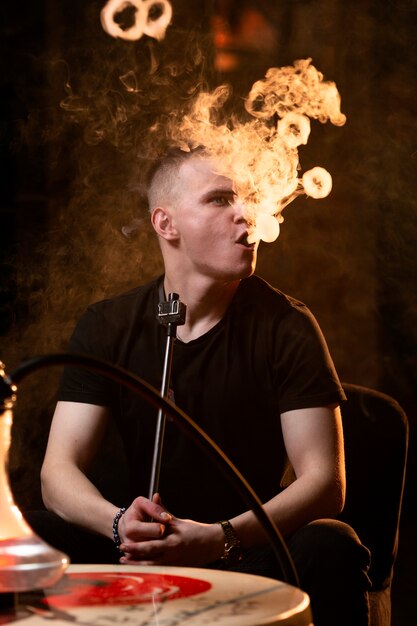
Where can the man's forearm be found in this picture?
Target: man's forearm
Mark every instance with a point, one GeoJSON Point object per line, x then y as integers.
{"type": "Point", "coordinates": [70, 494]}
{"type": "Point", "coordinates": [306, 499]}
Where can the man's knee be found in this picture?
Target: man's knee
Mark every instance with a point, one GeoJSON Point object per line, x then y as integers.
{"type": "Point", "coordinates": [330, 546]}
{"type": "Point", "coordinates": [332, 565]}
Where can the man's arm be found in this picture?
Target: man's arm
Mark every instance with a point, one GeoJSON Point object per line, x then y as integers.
{"type": "Point", "coordinates": [76, 432]}
{"type": "Point", "coordinates": [314, 442]}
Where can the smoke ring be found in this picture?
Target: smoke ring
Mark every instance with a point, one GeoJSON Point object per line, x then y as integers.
{"type": "Point", "coordinates": [156, 28]}
{"type": "Point", "coordinates": [114, 7]}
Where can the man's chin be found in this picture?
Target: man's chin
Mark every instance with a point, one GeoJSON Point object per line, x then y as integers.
{"type": "Point", "coordinates": [248, 271]}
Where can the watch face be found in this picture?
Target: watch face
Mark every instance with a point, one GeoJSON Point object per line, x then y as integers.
{"type": "Point", "coordinates": [234, 554]}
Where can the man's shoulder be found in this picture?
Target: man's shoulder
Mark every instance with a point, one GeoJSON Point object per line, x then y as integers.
{"type": "Point", "coordinates": [108, 321]}
{"type": "Point", "coordinates": [127, 301]}
{"type": "Point", "coordinates": [260, 294]}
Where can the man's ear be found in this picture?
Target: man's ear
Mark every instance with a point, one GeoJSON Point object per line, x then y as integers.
{"type": "Point", "coordinates": [163, 223]}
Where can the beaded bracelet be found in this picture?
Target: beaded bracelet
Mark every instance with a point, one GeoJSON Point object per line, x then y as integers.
{"type": "Point", "coordinates": [115, 526]}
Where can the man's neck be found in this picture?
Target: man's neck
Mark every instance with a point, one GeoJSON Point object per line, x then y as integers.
{"type": "Point", "coordinates": [207, 302]}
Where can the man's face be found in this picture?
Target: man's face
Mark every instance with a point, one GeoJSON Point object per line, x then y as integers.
{"type": "Point", "coordinates": [211, 223]}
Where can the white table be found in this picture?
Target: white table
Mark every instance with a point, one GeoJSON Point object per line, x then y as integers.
{"type": "Point", "coordinates": [111, 595]}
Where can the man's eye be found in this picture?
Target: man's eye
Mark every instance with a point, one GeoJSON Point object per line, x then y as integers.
{"type": "Point", "coordinates": [221, 200]}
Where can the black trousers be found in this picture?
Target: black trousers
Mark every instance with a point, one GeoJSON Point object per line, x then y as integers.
{"type": "Point", "coordinates": [330, 560]}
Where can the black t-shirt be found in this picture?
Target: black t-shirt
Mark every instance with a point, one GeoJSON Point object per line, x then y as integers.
{"type": "Point", "coordinates": [266, 356]}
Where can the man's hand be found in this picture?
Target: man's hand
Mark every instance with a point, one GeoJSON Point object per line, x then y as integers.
{"type": "Point", "coordinates": [144, 520]}
{"type": "Point", "coordinates": [166, 540]}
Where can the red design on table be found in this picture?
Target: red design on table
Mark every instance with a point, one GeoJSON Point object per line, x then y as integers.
{"type": "Point", "coordinates": [92, 589]}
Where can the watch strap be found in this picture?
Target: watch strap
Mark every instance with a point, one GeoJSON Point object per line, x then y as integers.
{"type": "Point", "coordinates": [232, 546]}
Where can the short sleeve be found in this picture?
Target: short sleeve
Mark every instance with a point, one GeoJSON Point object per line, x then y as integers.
{"type": "Point", "coordinates": [305, 373]}
{"type": "Point", "coordinates": [82, 384]}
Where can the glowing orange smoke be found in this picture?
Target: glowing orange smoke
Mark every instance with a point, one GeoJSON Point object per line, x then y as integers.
{"type": "Point", "coordinates": [260, 155]}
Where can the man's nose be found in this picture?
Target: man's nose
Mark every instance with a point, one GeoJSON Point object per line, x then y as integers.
{"type": "Point", "coordinates": [242, 213]}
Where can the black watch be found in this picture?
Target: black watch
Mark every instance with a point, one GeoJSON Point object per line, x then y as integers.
{"type": "Point", "coordinates": [232, 549]}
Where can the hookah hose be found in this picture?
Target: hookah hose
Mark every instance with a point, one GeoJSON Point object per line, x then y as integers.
{"type": "Point", "coordinates": [8, 385]}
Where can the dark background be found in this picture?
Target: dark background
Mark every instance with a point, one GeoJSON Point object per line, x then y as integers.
{"type": "Point", "coordinates": [65, 194]}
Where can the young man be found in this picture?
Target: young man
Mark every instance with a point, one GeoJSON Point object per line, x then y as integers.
{"type": "Point", "coordinates": [251, 367]}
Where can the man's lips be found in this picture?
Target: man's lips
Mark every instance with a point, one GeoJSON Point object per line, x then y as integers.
{"type": "Point", "coordinates": [243, 240]}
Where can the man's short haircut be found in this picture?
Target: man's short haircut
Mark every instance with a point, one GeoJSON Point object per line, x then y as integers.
{"type": "Point", "coordinates": [162, 186]}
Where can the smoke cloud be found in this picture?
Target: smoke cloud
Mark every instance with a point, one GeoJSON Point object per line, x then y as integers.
{"type": "Point", "coordinates": [260, 154]}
